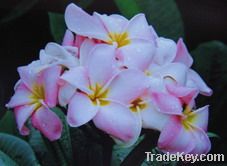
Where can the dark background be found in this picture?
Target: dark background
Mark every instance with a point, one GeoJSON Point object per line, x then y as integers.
{"type": "Point", "coordinates": [23, 37]}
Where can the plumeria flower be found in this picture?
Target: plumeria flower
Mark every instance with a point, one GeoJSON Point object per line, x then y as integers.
{"type": "Point", "coordinates": [119, 74]}
{"type": "Point", "coordinates": [35, 95]}
{"type": "Point", "coordinates": [164, 81]}
{"type": "Point", "coordinates": [149, 115]}
{"type": "Point", "coordinates": [70, 40]}
{"type": "Point", "coordinates": [170, 52]}
{"type": "Point", "coordinates": [157, 103]}
{"type": "Point", "coordinates": [186, 133]}
{"type": "Point", "coordinates": [55, 54]}
{"type": "Point", "coordinates": [102, 93]}
{"type": "Point", "coordinates": [66, 90]}
{"type": "Point", "coordinates": [195, 81]}
{"type": "Point", "coordinates": [133, 38]}
{"type": "Point", "coordinates": [167, 93]}
{"type": "Point", "coordinates": [155, 107]}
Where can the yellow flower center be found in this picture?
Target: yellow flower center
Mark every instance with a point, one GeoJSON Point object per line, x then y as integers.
{"type": "Point", "coordinates": [147, 73]}
{"type": "Point", "coordinates": [37, 95]}
{"type": "Point", "coordinates": [138, 104]}
{"type": "Point", "coordinates": [98, 96]}
{"type": "Point", "coordinates": [122, 39]}
{"type": "Point", "coordinates": [188, 119]}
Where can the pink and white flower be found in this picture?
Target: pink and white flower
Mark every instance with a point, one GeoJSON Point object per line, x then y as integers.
{"type": "Point", "coordinates": [134, 38]}
{"type": "Point", "coordinates": [103, 94]}
{"type": "Point", "coordinates": [186, 133]}
{"type": "Point", "coordinates": [168, 52]}
{"type": "Point", "coordinates": [120, 75]}
{"type": "Point", "coordinates": [55, 54]}
{"type": "Point", "coordinates": [35, 95]}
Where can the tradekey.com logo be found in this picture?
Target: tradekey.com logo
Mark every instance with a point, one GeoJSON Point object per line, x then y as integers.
{"type": "Point", "coordinates": [192, 158]}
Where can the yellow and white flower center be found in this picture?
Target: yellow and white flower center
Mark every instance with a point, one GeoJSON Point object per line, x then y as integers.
{"type": "Point", "coordinates": [37, 95]}
{"type": "Point", "coordinates": [137, 105]}
{"type": "Point", "coordinates": [188, 119]}
{"type": "Point", "coordinates": [98, 96]}
{"type": "Point", "coordinates": [122, 39]}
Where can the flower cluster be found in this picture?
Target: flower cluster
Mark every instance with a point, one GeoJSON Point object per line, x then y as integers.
{"type": "Point", "coordinates": [119, 74]}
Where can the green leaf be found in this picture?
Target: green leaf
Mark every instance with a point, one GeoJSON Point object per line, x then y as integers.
{"type": "Point", "coordinates": [128, 10]}
{"type": "Point", "coordinates": [65, 140]}
{"type": "Point", "coordinates": [163, 15]}
{"type": "Point", "coordinates": [119, 153]}
{"type": "Point", "coordinates": [57, 26]}
{"type": "Point", "coordinates": [7, 123]}
{"type": "Point", "coordinates": [36, 141]}
{"type": "Point", "coordinates": [210, 61]}
{"type": "Point", "coordinates": [213, 135]}
{"type": "Point", "coordinates": [18, 150]}
{"type": "Point", "coordinates": [18, 10]}
{"type": "Point", "coordinates": [5, 160]}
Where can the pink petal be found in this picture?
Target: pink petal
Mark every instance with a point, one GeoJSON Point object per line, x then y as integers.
{"type": "Point", "coordinates": [83, 24]}
{"type": "Point", "coordinates": [195, 81]}
{"type": "Point", "coordinates": [138, 54]}
{"type": "Point", "coordinates": [183, 55]}
{"type": "Point", "coordinates": [112, 24]}
{"type": "Point", "coordinates": [56, 54]}
{"type": "Point", "coordinates": [118, 121]}
{"type": "Point", "coordinates": [102, 64]}
{"type": "Point", "coordinates": [165, 52]}
{"type": "Point", "coordinates": [127, 86]}
{"type": "Point", "coordinates": [80, 110]}
{"type": "Point", "coordinates": [157, 84]}
{"type": "Point", "coordinates": [50, 83]}
{"type": "Point", "coordinates": [77, 77]}
{"type": "Point", "coordinates": [154, 34]}
{"type": "Point", "coordinates": [175, 71]}
{"type": "Point", "coordinates": [153, 119]}
{"type": "Point", "coordinates": [200, 117]}
{"type": "Point", "coordinates": [66, 92]}
{"type": "Point", "coordinates": [175, 138]}
{"type": "Point", "coordinates": [68, 39]}
{"type": "Point", "coordinates": [186, 94]}
{"type": "Point", "coordinates": [48, 123]}
{"type": "Point", "coordinates": [166, 103]}
{"type": "Point", "coordinates": [85, 50]}
{"type": "Point", "coordinates": [22, 113]}
{"type": "Point", "coordinates": [74, 52]}
{"type": "Point", "coordinates": [201, 141]}
{"type": "Point", "coordinates": [119, 17]}
{"type": "Point", "coordinates": [139, 28]}
{"type": "Point", "coordinates": [28, 77]}
{"type": "Point", "coordinates": [138, 121]}
{"type": "Point", "coordinates": [17, 84]}
{"type": "Point", "coordinates": [79, 40]}
{"type": "Point", "coordinates": [21, 97]}
{"type": "Point", "coordinates": [55, 50]}
{"type": "Point", "coordinates": [41, 64]}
